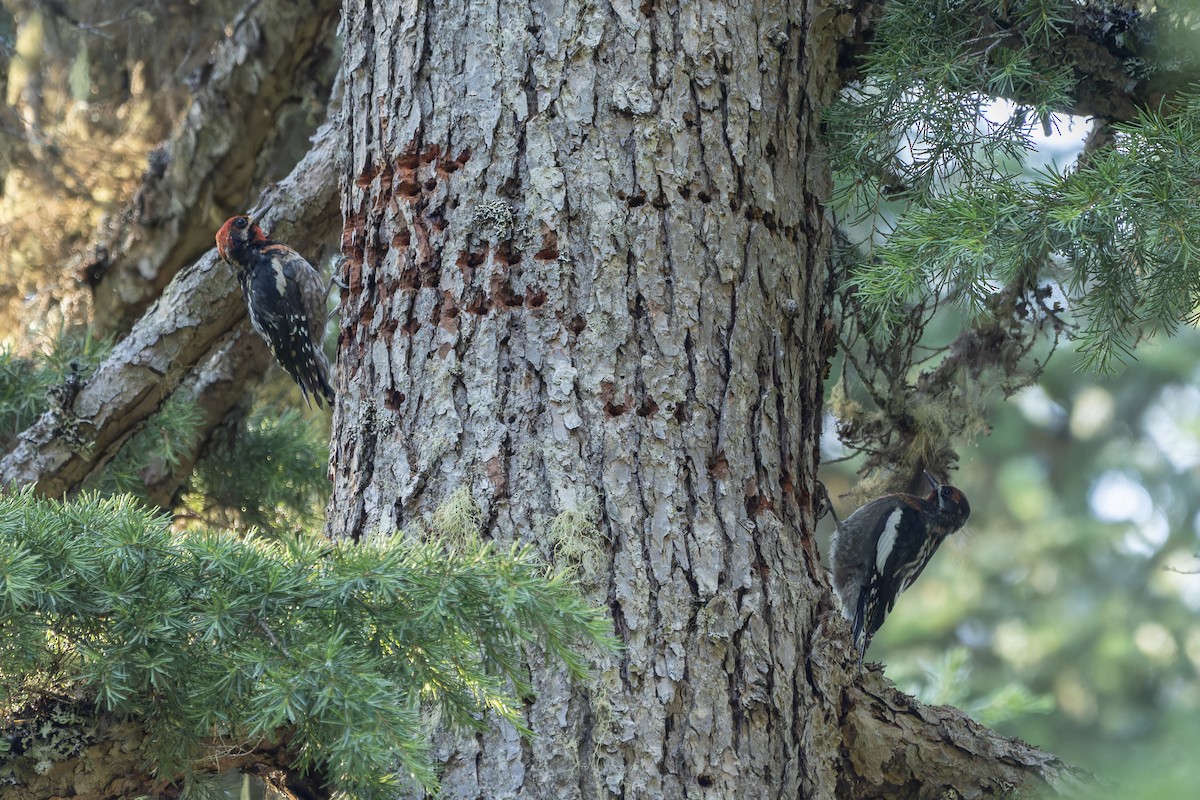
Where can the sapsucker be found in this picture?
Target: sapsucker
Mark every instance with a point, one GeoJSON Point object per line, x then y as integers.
{"type": "Point", "coordinates": [286, 300]}
{"type": "Point", "coordinates": [880, 549]}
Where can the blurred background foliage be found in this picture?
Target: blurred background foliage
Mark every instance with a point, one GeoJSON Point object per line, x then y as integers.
{"type": "Point", "coordinates": [1066, 612]}
{"type": "Point", "coordinates": [87, 89]}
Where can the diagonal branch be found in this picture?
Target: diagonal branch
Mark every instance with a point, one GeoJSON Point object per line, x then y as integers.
{"type": "Point", "coordinates": [195, 318]}
{"type": "Point", "coordinates": [898, 747]}
{"type": "Point", "coordinates": [892, 745]}
{"type": "Point", "coordinates": [239, 121]}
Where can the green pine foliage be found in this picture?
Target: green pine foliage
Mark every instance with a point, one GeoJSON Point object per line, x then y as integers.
{"type": "Point", "coordinates": [939, 205]}
{"type": "Point", "coordinates": [163, 438]}
{"type": "Point", "coordinates": [943, 203]}
{"type": "Point", "coordinates": [1121, 236]}
{"type": "Point", "coordinates": [27, 382]}
{"type": "Point", "coordinates": [913, 126]}
{"type": "Point", "coordinates": [347, 650]}
{"type": "Point", "coordinates": [270, 475]}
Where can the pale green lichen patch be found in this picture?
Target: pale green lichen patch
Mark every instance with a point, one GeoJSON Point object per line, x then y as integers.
{"type": "Point", "coordinates": [575, 539]}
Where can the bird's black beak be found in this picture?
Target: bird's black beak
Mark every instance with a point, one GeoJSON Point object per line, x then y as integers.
{"type": "Point", "coordinates": [932, 480]}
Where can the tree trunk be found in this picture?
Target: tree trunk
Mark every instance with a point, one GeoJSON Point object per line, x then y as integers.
{"type": "Point", "coordinates": [588, 279]}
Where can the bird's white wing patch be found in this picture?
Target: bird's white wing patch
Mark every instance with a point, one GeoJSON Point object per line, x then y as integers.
{"type": "Point", "coordinates": [887, 539]}
{"type": "Point", "coordinates": [281, 282]}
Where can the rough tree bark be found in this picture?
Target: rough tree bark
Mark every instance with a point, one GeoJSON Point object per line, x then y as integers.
{"type": "Point", "coordinates": [588, 271]}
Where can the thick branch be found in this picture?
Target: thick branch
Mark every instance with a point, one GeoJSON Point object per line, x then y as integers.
{"type": "Point", "coordinates": [893, 746]}
{"type": "Point", "coordinates": [95, 756]}
{"type": "Point", "coordinates": [898, 747]}
{"type": "Point", "coordinates": [180, 333]}
{"type": "Point", "coordinates": [240, 119]}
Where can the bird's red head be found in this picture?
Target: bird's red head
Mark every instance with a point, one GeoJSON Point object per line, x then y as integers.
{"type": "Point", "coordinates": [238, 230]}
{"type": "Point", "coordinates": [948, 502]}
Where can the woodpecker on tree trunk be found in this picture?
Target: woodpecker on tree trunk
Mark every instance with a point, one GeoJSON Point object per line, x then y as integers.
{"type": "Point", "coordinates": [880, 550]}
{"type": "Point", "coordinates": [286, 300]}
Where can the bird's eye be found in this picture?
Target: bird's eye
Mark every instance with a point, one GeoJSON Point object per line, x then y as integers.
{"type": "Point", "coordinates": [240, 222]}
{"type": "Point", "coordinates": [947, 491]}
